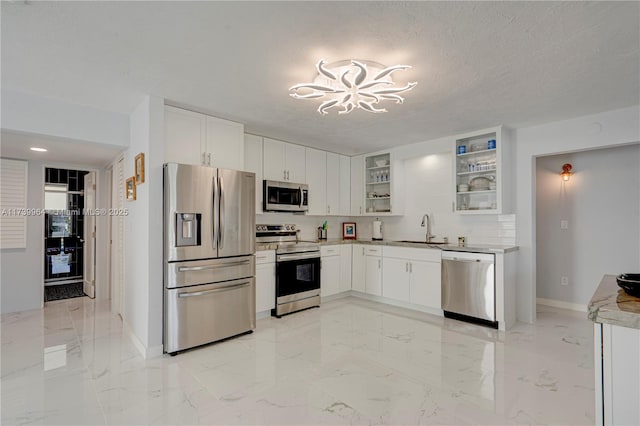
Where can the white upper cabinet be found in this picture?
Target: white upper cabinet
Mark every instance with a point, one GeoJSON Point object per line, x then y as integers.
{"type": "Point", "coordinates": [482, 172]}
{"type": "Point", "coordinates": [194, 138]}
{"type": "Point", "coordinates": [224, 146]}
{"type": "Point", "coordinates": [184, 133]}
{"type": "Point", "coordinates": [333, 184]}
{"type": "Point", "coordinates": [357, 185]}
{"type": "Point", "coordinates": [284, 161]}
{"type": "Point", "coordinates": [294, 159]}
{"type": "Point", "coordinates": [345, 186]}
{"type": "Point", "coordinates": [328, 176]}
{"type": "Point", "coordinates": [316, 170]}
{"type": "Point", "coordinates": [253, 163]}
{"type": "Point", "coordinates": [383, 185]}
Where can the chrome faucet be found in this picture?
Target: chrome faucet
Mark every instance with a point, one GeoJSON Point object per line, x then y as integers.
{"type": "Point", "coordinates": [427, 222]}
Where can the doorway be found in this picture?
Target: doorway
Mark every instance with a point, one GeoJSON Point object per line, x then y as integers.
{"type": "Point", "coordinates": [67, 256]}
{"type": "Point", "coordinates": [586, 226]}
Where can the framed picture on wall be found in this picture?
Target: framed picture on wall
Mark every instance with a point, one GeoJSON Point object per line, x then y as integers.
{"type": "Point", "coordinates": [349, 231]}
{"type": "Point", "coordinates": [139, 168]}
{"type": "Point", "coordinates": [130, 188]}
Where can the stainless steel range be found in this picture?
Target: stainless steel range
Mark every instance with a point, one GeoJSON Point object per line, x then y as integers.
{"type": "Point", "coordinates": [297, 268]}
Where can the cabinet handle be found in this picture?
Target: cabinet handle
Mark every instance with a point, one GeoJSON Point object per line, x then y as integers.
{"type": "Point", "coordinates": [363, 251]}
{"type": "Point", "coordinates": [378, 263]}
{"type": "Point", "coordinates": [406, 267]}
{"type": "Point", "coordinates": [284, 175]}
{"type": "Point", "coordinates": [288, 175]}
{"type": "Point", "coordinates": [410, 268]}
{"type": "Point", "coordinates": [209, 159]}
{"type": "Point", "coordinates": [328, 209]}
{"type": "Point", "coordinates": [203, 159]}
{"type": "Point", "coordinates": [360, 209]}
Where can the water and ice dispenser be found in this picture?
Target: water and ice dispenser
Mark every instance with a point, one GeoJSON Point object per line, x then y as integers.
{"type": "Point", "coordinates": [188, 229]}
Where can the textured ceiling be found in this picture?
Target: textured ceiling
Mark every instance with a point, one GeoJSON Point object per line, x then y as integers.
{"type": "Point", "coordinates": [61, 151]}
{"type": "Point", "coordinates": [477, 64]}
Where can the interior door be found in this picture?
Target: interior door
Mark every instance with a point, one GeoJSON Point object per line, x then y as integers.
{"type": "Point", "coordinates": [237, 213]}
{"type": "Point", "coordinates": [89, 238]}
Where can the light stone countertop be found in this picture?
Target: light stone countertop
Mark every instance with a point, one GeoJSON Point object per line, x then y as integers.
{"type": "Point", "coordinates": [476, 248]}
{"type": "Point", "coordinates": [612, 305]}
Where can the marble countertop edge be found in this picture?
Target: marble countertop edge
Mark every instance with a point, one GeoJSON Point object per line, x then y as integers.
{"type": "Point", "coordinates": [611, 305]}
{"type": "Point", "coordinates": [480, 248]}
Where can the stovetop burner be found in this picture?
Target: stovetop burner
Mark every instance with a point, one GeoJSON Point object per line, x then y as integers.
{"type": "Point", "coordinates": [286, 238]}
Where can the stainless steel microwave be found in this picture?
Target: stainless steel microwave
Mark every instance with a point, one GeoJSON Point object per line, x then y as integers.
{"type": "Point", "coordinates": [285, 196]}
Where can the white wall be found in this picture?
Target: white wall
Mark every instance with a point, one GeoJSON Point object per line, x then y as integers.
{"type": "Point", "coordinates": [22, 270]}
{"type": "Point", "coordinates": [29, 113]}
{"type": "Point", "coordinates": [606, 129]}
{"type": "Point", "coordinates": [602, 206]}
{"type": "Point", "coordinates": [143, 231]}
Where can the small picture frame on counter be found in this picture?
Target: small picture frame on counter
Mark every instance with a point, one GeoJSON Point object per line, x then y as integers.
{"type": "Point", "coordinates": [349, 231]}
{"type": "Point", "coordinates": [130, 188]}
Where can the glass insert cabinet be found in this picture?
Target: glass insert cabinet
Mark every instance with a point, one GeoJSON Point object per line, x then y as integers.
{"type": "Point", "coordinates": [481, 178]}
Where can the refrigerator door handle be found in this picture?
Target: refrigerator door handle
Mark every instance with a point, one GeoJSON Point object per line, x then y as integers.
{"type": "Point", "coordinates": [221, 214]}
{"type": "Point", "coordinates": [204, 268]}
{"type": "Point", "coordinates": [215, 290]}
{"type": "Point", "coordinates": [214, 222]}
{"type": "Point", "coordinates": [300, 191]}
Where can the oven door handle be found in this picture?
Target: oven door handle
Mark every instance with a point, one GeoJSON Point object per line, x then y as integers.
{"type": "Point", "coordinates": [300, 256]}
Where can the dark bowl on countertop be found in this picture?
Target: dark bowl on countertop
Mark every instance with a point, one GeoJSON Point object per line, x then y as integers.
{"type": "Point", "coordinates": [630, 283]}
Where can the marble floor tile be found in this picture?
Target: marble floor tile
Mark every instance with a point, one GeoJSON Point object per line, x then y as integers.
{"type": "Point", "coordinates": [352, 361]}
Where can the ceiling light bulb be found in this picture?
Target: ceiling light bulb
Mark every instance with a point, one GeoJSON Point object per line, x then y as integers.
{"type": "Point", "coordinates": [33, 148]}
{"type": "Point", "coordinates": [352, 84]}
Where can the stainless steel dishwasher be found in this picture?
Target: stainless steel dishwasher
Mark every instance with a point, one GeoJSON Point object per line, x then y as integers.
{"type": "Point", "coordinates": [468, 287]}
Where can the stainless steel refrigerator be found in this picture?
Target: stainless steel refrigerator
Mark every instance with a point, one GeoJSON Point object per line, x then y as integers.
{"type": "Point", "coordinates": [209, 267]}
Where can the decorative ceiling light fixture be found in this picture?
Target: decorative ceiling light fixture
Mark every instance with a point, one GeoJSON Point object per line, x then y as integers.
{"type": "Point", "coordinates": [352, 84]}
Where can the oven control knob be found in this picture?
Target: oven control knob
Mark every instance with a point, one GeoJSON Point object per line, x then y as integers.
{"type": "Point", "coordinates": [293, 227]}
{"type": "Point", "coordinates": [288, 227]}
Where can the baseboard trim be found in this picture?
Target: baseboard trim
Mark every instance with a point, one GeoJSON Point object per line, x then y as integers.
{"type": "Point", "coordinates": [152, 352]}
{"type": "Point", "coordinates": [561, 304]}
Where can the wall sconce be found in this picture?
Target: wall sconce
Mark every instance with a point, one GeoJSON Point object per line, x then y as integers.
{"type": "Point", "coordinates": [566, 172]}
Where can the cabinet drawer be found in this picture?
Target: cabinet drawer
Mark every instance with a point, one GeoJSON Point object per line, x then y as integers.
{"type": "Point", "coordinates": [426, 254]}
{"type": "Point", "coordinates": [265, 256]}
{"type": "Point", "coordinates": [373, 250]}
{"type": "Point", "coordinates": [329, 251]}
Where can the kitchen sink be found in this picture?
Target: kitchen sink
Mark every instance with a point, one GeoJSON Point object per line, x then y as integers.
{"type": "Point", "coordinates": [424, 242]}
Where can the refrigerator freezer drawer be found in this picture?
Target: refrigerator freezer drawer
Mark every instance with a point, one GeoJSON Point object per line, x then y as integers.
{"type": "Point", "coordinates": [203, 314]}
{"type": "Point", "coordinates": [183, 274]}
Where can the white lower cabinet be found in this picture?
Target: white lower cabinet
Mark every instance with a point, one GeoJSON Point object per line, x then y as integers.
{"type": "Point", "coordinates": [412, 275]}
{"type": "Point", "coordinates": [425, 285]}
{"type": "Point", "coordinates": [335, 269]}
{"type": "Point", "coordinates": [345, 267]}
{"type": "Point", "coordinates": [373, 270]}
{"type": "Point", "coordinates": [265, 280]}
{"type": "Point", "coordinates": [329, 275]}
{"type": "Point", "coordinates": [617, 374]}
{"type": "Point", "coordinates": [396, 279]}
{"type": "Point", "coordinates": [358, 268]}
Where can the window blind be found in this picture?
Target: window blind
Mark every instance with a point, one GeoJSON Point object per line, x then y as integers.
{"type": "Point", "coordinates": [13, 204]}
